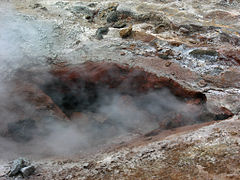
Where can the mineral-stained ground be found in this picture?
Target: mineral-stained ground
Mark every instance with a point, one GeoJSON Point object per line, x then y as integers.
{"type": "Point", "coordinates": [119, 89]}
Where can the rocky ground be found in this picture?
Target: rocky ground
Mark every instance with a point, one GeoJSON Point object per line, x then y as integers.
{"type": "Point", "coordinates": [195, 44]}
{"type": "Point", "coordinates": [211, 152]}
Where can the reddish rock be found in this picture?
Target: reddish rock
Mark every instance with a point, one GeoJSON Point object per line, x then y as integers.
{"type": "Point", "coordinates": [222, 15]}
{"type": "Point", "coordinates": [142, 36]}
{"type": "Point", "coordinates": [231, 57]}
{"type": "Point", "coordinates": [157, 65]}
{"type": "Point", "coordinates": [228, 79]}
{"type": "Point", "coordinates": [121, 77]}
{"type": "Point", "coordinates": [226, 111]}
{"type": "Point", "coordinates": [41, 104]}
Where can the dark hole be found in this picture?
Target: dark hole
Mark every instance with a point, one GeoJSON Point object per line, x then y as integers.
{"type": "Point", "coordinates": [219, 117]}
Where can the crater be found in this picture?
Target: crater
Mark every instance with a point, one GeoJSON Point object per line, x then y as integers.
{"type": "Point", "coordinates": [104, 101]}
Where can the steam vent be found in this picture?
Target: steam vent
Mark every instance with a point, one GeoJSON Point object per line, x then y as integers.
{"type": "Point", "coordinates": [129, 90]}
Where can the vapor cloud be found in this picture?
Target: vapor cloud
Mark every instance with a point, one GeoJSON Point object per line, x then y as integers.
{"type": "Point", "coordinates": [21, 43]}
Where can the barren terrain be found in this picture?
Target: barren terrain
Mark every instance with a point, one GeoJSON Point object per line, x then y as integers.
{"type": "Point", "coordinates": [120, 89]}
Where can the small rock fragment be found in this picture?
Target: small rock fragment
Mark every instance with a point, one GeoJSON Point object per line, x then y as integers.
{"type": "Point", "coordinates": [162, 27]}
{"type": "Point", "coordinates": [184, 30]}
{"type": "Point", "coordinates": [27, 171]}
{"type": "Point", "coordinates": [122, 53]}
{"type": "Point", "coordinates": [92, 5]}
{"type": "Point", "coordinates": [163, 56]}
{"type": "Point", "coordinates": [86, 165]}
{"type": "Point", "coordinates": [119, 25]}
{"type": "Point", "coordinates": [166, 54]}
{"type": "Point", "coordinates": [124, 33]}
{"type": "Point", "coordinates": [148, 138]}
{"type": "Point", "coordinates": [233, 133]}
{"type": "Point", "coordinates": [192, 28]}
{"type": "Point", "coordinates": [39, 6]}
{"type": "Point", "coordinates": [89, 18]}
{"type": "Point", "coordinates": [18, 164]}
{"type": "Point", "coordinates": [81, 9]}
{"type": "Point", "coordinates": [178, 58]}
{"type": "Point", "coordinates": [202, 83]}
{"type": "Point", "coordinates": [200, 53]}
{"type": "Point", "coordinates": [125, 10]}
{"type": "Point", "coordinates": [19, 177]}
{"type": "Point", "coordinates": [167, 64]}
{"type": "Point", "coordinates": [101, 31]}
{"type": "Point", "coordinates": [36, 5]}
{"type": "Point", "coordinates": [77, 42]}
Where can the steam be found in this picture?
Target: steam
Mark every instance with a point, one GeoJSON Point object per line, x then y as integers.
{"type": "Point", "coordinates": [115, 115]}
{"type": "Point", "coordinates": [21, 44]}
{"type": "Point", "coordinates": [23, 40]}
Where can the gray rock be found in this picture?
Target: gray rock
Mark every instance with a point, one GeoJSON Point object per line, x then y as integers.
{"type": "Point", "coordinates": [61, 4]}
{"type": "Point", "coordinates": [145, 17]}
{"type": "Point", "coordinates": [81, 9]}
{"type": "Point", "coordinates": [193, 28]}
{"type": "Point", "coordinates": [17, 165]}
{"type": "Point", "coordinates": [126, 9]}
{"type": "Point", "coordinates": [112, 17]}
{"type": "Point", "coordinates": [92, 5]}
{"type": "Point", "coordinates": [27, 171]}
{"type": "Point", "coordinates": [119, 25]}
{"type": "Point", "coordinates": [232, 39]}
{"type": "Point", "coordinates": [19, 177]}
{"type": "Point", "coordinates": [36, 5]}
{"type": "Point", "coordinates": [162, 27]}
{"type": "Point", "coordinates": [86, 165]}
{"type": "Point", "coordinates": [183, 30]}
{"type": "Point", "coordinates": [200, 53]}
{"type": "Point", "coordinates": [39, 6]}
{"type": "Point", "coordinates": [101, 31]}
